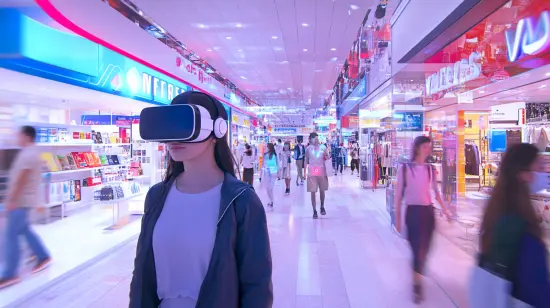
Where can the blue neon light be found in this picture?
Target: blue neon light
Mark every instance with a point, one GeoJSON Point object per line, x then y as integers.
{"type": "Point", "coordinates": [33, 48]}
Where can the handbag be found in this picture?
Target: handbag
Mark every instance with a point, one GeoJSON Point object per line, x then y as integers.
{"type": "Point", "coordinates": [488, 289]}
{"type": "Point", "coordinates": [328, 167]}
{"type": "Point", "coordinates": [490, 284]}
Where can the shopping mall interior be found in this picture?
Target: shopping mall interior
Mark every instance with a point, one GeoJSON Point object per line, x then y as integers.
{"type": "Point", "coordinates": [368, 77]}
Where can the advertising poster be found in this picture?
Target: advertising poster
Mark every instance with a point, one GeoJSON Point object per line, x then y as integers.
{"type": "Point", "coordinates": [409, 121]}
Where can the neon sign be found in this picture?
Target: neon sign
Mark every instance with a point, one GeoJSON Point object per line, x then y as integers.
{"type": "Point", "coordinates": [529, 37]}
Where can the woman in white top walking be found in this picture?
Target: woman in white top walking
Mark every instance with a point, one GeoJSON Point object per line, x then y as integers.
{"type": "Point", "coordinates": [271, 170]}
{"type": "Point", "coordinates": [247, 161]}
{"type": "Point", "coordinates": [415, 182]}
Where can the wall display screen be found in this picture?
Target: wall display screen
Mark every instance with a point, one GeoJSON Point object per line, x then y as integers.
{"type": "Point", "coordinates": [537, 112]}
{"type": "Point", "coordinates": [409, 121]}
{"type": "Point", "coordinates": [497, 141]}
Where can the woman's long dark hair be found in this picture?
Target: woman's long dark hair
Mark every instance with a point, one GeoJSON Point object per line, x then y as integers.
{"type": "Point", "coordinates": [248, 148]}
{"type": "Point", "coordinates": [511, 195]}
{"type": "Point", "coordinates": [417, 143]}
{"type": "Point", "coordinates": [222, 154]}
{"type": "Point", "coordinates": [271, 150]}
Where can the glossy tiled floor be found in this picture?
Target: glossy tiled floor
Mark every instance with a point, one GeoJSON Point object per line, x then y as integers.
{"type": "Point", "coordinates": [349, 258]}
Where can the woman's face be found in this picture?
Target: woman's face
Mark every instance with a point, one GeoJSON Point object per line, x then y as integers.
{"type": "Point", "coordinates": [314, 140]}
{"type": "Point", "coordinates": [425, 149]}
{"type": "Point", "coordinates": [537, 166]}
{"type": "Point", "coordinates": [182, 152]}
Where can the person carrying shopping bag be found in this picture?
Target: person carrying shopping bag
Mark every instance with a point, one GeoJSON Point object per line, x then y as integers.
{"type": "Point", "coordinates": [415, 182]}
{"type": "Point", "coordinates": [271, 172]}
{"type": "Point", "coordinates": [512, 266]}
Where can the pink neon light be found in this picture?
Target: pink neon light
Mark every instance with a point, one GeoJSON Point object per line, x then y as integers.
{"type": "Point", "coordinates": [56, 15]}
{"type": "Point", "coordinates": [528, 38]}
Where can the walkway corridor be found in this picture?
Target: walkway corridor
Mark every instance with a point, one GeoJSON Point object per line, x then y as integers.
{"type": "Point", "coordinates": [349, 258]}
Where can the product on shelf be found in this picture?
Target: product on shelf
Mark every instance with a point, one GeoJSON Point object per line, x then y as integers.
{"type": "Point", "coordinates": [79, 160]}
{"type": "Point", "coordinates": [72, 162]}
{"type": "Point", "coordinates": [52, 163]}
{"type": "Point", "coordinates": [63, 162]}
{"type": "Point", "coordinates": [104, 160]}
{"type": "Point", "coordinates": [117, 191]}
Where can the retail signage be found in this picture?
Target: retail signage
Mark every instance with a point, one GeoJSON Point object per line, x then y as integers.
{"type": "Point", "coordinates": [79, 62]}
{"type": "Point", "coordinates": [350, 121]}
{"type": "Point", "coordinates": [537, 112]}
{"type": "Point", "coordinates": [105, 119]}
{"type": "Point", "coordinates": [286, 130]}
{"type": "Point", "coordinates": [160, 90]}
{"type": "Point", "coordinates": [529, 38]}
{"type": "Point", "coordinates": [506, 113]}
{"type": "Point", "coordinates": [453, 76]}
{"type": "Point", "coordinates": [240, 119]}
{"type": "Point", "coordinates": [289, 125]}
{"type": "Point", "coordinates": [466, 97]}
{"type": "Point", "coordinates": [196, 76]}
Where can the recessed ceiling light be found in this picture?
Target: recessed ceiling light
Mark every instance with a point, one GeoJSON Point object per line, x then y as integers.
{"type": "Point", "coordinates": [244, 77]}
{"type": "Point", "coordinates": [284, 62]}
{"type": "Point", "coordinates": [543, 86]}
{"type": "Point", "coordinates": [239, 25]}
{"type": "Point", "coordinates": [209, 50]}
{"type": "Point", "coordinates": [334, 59]}
{"type": "Point", "coordinates": [354, 7]}
{"type": "Point", "coordinates": [305, 25]}
{"type": "Point", "coordinates": [240, 50]}
{"type": "Point", "coordinates": [201, 26]}
{"type": "Point", "coordinates": [305, 49]}
{"type": "Point", "coordinates": [547, 74]}
{"type": "Point", "coordinates": [481, 92]}
{"type": "Point", "coordinates": [333, 49]}
{"type": "Point", "coordinates": [274, 37]}
{"type": "Point", "coordinates": [228, 37]}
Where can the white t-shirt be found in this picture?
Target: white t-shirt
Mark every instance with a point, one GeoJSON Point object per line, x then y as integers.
{"type": "Point", "coordinates": [183, 240]}
{"type": "Point", "coordinates": [248, 161]}
{"type": "Point", "coordinates": [30, 195]}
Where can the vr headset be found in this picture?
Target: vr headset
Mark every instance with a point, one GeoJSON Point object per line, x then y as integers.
{"type": "Point", "coordinates": [189, 123]}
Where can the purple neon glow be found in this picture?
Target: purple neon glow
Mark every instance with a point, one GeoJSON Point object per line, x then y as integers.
{"type": "Point", "coordinates": [528, 38]}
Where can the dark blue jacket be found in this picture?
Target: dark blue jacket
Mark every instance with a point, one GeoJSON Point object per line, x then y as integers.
{"type": "Point", "coordinates": [239, 274]}
{"type": "Point", "coordinates": [531, 284]}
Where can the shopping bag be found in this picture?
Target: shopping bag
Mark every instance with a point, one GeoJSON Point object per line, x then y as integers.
{"type": "Point", "coordinates": [328, 167]}
{"type": "Point", "coordinates": [489, 290]}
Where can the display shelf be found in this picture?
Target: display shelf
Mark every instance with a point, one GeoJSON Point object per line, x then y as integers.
{"type": "Point", "coordinates": [115, 201]}
{"type": "Point", "coordinates": [111, 144]}
{"type": "Point", "coordinates": [63, 144]}
{"type": "Point", "coordinates": [83, 169]}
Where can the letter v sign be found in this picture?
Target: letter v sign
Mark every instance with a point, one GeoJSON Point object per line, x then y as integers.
{"type": "Point", "coordinates": [528, 38]}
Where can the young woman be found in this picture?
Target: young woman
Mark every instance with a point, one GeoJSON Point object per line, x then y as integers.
{"type": "Point", "coordinates": [271, 171]}
{"type": "Point", "coordinates": [415, 182]}
{"type": "Point", "coordinates": [317, 177]}
{"type": "Point", "coordinates": [247, 161]}
{"type": "Point", "coordinates": [510, 229]}
{"type": "Point", "coordinates": [204, 240]}
{"type": "Point", "coordinates": [354, 158]}
{"type": "Point", "coordinates": [340, 159]}
{"type": "Point", "coordinates": [285, 163]}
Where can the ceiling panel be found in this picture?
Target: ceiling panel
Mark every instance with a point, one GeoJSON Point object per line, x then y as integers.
{"type": "Point", "coordinates": [260, 45]}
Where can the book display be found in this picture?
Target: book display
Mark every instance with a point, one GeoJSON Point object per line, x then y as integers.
{"type": "Point", "coordinates": [82, 164]}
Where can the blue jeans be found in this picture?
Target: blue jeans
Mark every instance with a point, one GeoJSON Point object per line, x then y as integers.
{"type": "Point", "coordinates": [18, 225]}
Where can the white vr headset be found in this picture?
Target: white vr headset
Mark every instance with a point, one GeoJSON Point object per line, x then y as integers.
{"type": "Point", "coordinates": [182, 122]}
